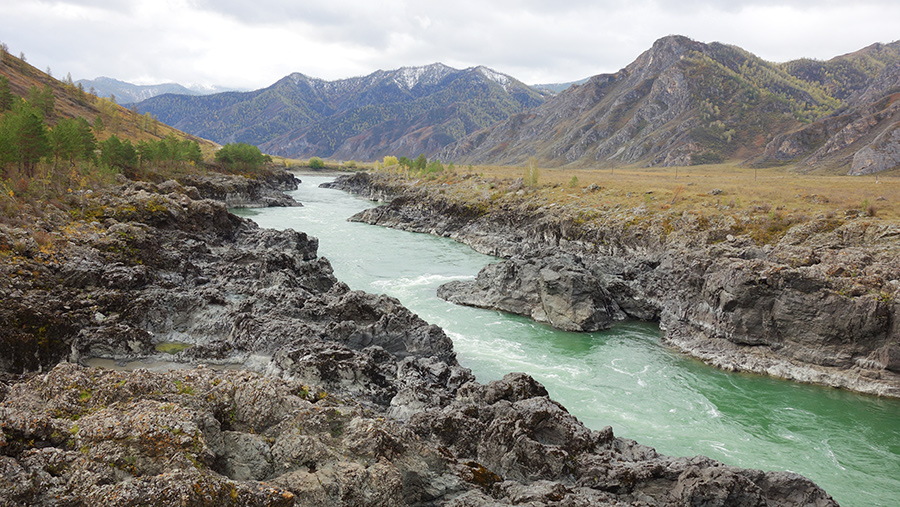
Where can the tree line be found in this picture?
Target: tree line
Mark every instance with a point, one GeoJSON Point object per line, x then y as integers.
{"type": "Point", "coordinates": [27, 139]}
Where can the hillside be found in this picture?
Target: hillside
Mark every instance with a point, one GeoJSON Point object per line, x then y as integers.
{"type": "Point", "coordinates": [73, 101]}
{"type": "Point", "coordinates": [863, 137]}
{"type": "Point", "coordinates": [402, 112]}
{"type": "Point", "coordinates": [684, 102]}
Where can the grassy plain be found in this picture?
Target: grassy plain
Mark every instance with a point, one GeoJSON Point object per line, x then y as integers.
{"type": "Point", "coordinates": [722, 186]}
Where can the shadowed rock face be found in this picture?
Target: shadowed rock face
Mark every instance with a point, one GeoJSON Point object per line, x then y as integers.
{"type": "Point", "coordinates": [357, 401]}
{"type": "Point", "coordinates": [819, 306]}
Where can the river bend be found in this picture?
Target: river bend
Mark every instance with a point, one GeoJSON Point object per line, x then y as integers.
{"type": "Point", "coordinates": [849, 444]}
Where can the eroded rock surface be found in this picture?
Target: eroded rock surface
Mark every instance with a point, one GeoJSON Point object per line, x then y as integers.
{"type": "Point", "coordinates": [84, 436]}
{"type": "Point", "coordinates": [558, 290]}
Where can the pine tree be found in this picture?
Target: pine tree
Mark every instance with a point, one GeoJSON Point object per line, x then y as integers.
{"type": "Point", "coordinates": [6, 96]}
{"type": "Point", "coordinates": [27, 137]}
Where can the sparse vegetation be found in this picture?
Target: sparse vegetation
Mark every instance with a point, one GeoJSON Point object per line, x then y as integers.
{"type": "Point", "coordinates": [532, 173]}
{"type": "Point", "coordinates": [763, 204]}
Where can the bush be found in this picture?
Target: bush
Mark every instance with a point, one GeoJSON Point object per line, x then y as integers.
{"type": "Point", "coordinates": [240, 156]}
{"type": "Point", "coordinates": [532, 173]}
{"type": "Point", "coordinates": [316, 163]}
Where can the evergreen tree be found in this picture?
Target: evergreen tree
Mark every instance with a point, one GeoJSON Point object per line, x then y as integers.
{"type": "Point", "coordinates": [98, 125]}
{"type": "Point", "coordinates": [193, 153]}
{"type": "Point", "coordinates": [420, 163]}
{"type": "Point", "coordinates": [242, 156]}
{"type": "Point", "coordinates": [71, 139]}
{"type": "Point", "coordinates": [7, 142]}
{"type": "Point", "coordinates": [115, 153]}
{"type": "Point", "coordinates": [43, 100]}
{"type": "Point", "coordinates": [6, 96]}
{"type": "Point", "coordinates": [29, 137]}
{"type": "Point", "coordinates": [87, 141]}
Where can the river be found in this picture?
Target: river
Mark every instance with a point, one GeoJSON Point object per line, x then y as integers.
{"type": "Point", "coordinates": [848, 444]}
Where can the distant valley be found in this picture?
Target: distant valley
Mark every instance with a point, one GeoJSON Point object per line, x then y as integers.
{"type": "Point", "coordinates": [681, 102]}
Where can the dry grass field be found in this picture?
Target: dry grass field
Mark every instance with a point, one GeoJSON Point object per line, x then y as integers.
{"type": "Point", "coordinates": [724, 186]}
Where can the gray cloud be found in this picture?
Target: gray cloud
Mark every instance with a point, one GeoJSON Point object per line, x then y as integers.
{"type": "Point", "coordinates": [252, 44]}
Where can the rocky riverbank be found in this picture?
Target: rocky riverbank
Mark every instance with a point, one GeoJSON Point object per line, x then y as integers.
{"type": "Point", "coordinates": [813, 300]}
{"type": "Point", "coordinates": [291, 389]}
{"type": "Point", "coordinates": [237, 191]}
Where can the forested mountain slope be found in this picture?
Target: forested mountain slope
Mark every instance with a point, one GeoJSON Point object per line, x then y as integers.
{"type": "Point", "coordinates": [403, 112]}
{"type": "Point", "coordinates": [685, 102]}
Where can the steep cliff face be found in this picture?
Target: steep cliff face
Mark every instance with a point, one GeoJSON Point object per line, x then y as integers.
{"type": "Point", "coordinates": [818, 306]}
{"type": "Point", "coordinates": [861, 139]}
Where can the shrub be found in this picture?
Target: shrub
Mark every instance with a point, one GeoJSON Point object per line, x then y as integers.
{"type": "Point", "coordinates": [316, 163]}
{"type": "Point", "coordinates": [532, 173]}
{"type": "Point", "coordinates": [240, 156]}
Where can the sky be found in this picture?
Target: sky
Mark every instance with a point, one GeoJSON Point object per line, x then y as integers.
{"type": "Point", "coordinates": [245, 44]}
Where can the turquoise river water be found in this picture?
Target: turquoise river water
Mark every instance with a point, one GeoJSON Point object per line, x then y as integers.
{"type": "Point", "coordinates": [849, 444]}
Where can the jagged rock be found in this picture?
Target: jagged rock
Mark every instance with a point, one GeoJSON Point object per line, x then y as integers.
{"type": "Point", "coordinates": [880, 155]}
{"type": "Point", "coordinates": [81, 436]}
{"type": "Point", "coordinates": [558, 290]}
{"type": "Point", "coordinates": [238, 191]}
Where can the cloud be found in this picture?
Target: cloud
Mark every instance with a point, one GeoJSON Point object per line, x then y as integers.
{"type": "Point", "coordinates": [253, 44]}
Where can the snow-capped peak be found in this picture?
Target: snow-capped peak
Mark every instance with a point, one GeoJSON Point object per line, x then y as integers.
{"type": "Point", "coordinates": [501, 79]}
{"type": "Point", "coordinates": [410, 77]}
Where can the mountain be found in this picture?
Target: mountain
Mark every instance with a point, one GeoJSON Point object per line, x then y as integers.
{"type": "Point", "coordinates": [127, 93]}
{"type": "Point", "coordinates": [685, 102]}
{"type": "Point", "coordinates": [554, 88]}
{"type": "Point", "coordinates": [402, 112]}
{"type": "Point", "coordinates": [863, 136]}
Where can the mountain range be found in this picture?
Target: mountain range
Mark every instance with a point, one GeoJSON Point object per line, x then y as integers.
{"type": "Point", "coordinates": [684, 102]}
{"type": "Point", "coordinates": [681, 102]}
{"type": "Point", "coordinates": [128, 93]}
{"type": "Point", "coordinates": [407, 111]}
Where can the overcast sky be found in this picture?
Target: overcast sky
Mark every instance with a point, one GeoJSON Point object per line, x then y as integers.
{"type": "Point", "coordinates": [251, 44]}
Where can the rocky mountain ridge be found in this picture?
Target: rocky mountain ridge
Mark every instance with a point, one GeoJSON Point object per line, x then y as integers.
{"type": "Point", "coordinates": [402, 112]}
{"type": "Point", "coordinates": [818, 306]}
{"type": "Point", "coordinates": [684, 102]}
{"type": "Point", "coordinates": [355, 400]}
{"type": "Point", "coordinates": [128, 93]}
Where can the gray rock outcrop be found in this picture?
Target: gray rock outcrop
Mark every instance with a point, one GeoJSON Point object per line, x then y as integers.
{"type": "Point", "coordinates": [558, 290]}
{"type": "Point", "coordinates": [84, 436]}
